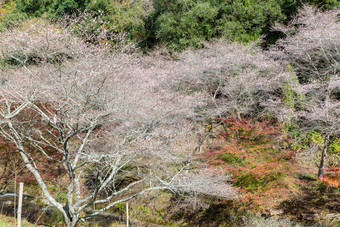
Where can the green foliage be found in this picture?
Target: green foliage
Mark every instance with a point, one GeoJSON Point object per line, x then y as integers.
{"type": "Point", "coordinates": [290, 98]}
{"type": "Point", "coordinates": [315, 138]}
{"type": "Point", "coordinates": [232, 159]}
{"type": "Point", "coordinates": [127, 16]}
{"type": "Point", "coordinates": [6, 9]}
{"type": "Point", "coordinates": [122, 15]}
{"type": "Point", "coordinates": [289, 8]}
{"type": "Point", "coordinates": [246, 20]}
{"type": "Point", "coordinates": [120, 206]}
{"type": "Point", "coordinates": [254, 183]}
{"type": "Point", "coordinates": [110, 23]}
{"type": "Point", "coordinates": [302, 140]}
{"type": "Point", "coordinates": [33, 7]}
{"type": "Point", "coordinates": [61, 7]}
{"type": "Point", "coordinates": [50, 8]}
{"type": "Point", "coordinates": [113, 17]}
{"type": "Point", "coordinates": [9, 16]}
{"type": "Point", "coordinates": [143, 211]}
{"type": "Point", "coordinates": [324, 4]}
{"type": "Point", "coordinates": [183, 23]}
{"type": "Point", "coordinates": [103, 6]}
{"type": "Point", "coordinates": [334, 148]}
{"type": "Point", "coordinates": [25, 9]}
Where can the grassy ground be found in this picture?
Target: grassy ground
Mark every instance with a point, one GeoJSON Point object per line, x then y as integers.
{"type": "Point", "coordinates": [10, 222]}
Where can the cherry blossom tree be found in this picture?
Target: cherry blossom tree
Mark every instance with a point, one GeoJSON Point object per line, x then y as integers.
{"type": "Point", "coordinates": [237, 79]}
{"type": "Point", "coordinates": [107, 120]}
{"type": "Point", "coordinates": [321, 113]}
{"type": "Point", "coordinates": [312, 47]}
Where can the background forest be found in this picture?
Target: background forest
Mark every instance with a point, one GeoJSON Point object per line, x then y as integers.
{"type": "Point", "coordinates": [198, 113]}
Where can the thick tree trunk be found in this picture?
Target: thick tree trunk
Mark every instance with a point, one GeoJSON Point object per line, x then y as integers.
{"type": "Point", "coordinates": [71, 223]}
{"type": "Point", "coordinates": [323, 155]}
{"type": "Point", "coordinates": [72, 219]}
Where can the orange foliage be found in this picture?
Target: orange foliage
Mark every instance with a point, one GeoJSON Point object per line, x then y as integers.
{"type": "Point", "coordinates": [259, 158]}
{"type": "Point", "coordinates": [332, 177]}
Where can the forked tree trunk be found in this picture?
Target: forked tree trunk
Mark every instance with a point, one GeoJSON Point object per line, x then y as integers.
{"type": "Point", "coordinates": [323, 155]}
{"type": "Point", "coordinates": [71, 223]}
{"type": "Point", "coordinates": [71, 220]}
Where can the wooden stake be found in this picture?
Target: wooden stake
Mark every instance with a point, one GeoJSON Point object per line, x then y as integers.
{"type": "Point", "coordinates": [127, 214]}
{"type": "Point", "coordinates": [15, 198]}
{"type": "Point", "coordinates": [21, 190]}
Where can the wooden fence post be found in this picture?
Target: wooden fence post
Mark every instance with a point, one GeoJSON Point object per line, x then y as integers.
{"type": "Point", "coordinates": [15, 198]}
{"type": "Point", "coordinates": [21, 190]}
{"type": "Point", "coordinates": [127, 214]}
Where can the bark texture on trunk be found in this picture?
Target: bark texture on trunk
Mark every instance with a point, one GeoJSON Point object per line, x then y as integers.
{"type": "Point", "coordinates": [323, 155]}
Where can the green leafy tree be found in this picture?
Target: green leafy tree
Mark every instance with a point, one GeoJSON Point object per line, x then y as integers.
{"type": "Point", "coordinates": [324, 4]}
{"type": "Point", "coordinates": [33, 7]}
{"type": "Point", "coordinates": [246, 20]}
{"type": "Point", "coordinates": [61, 7]}
{"type": "Point", "coordinates": [183, 23]}
{"type": "Point", "coordinates": [51, 8]}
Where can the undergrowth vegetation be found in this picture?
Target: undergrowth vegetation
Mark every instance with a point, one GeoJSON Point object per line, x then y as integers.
{"type": "Point", "coordinates": [260, 158]}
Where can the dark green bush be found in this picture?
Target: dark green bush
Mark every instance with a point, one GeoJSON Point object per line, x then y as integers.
{"type": "Point", "coordinates": [127, 16]}
{"type": "Point", "coordinates": [244, 20]}
{"type": "Point", "coordinates": [25, 9]}
{"type": "Point", "coordinates": [324, 4]}
{"type": "Point", "coordinates": [61, 7]}
{"type": "Point", "coordinates": [50, 8]}
{"type": "Point", "coordinates": [183, 23]}
{"type": "Point", "coordinates": [102, 6]}
{"type": "Point", "coordinates": [33, 7]}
